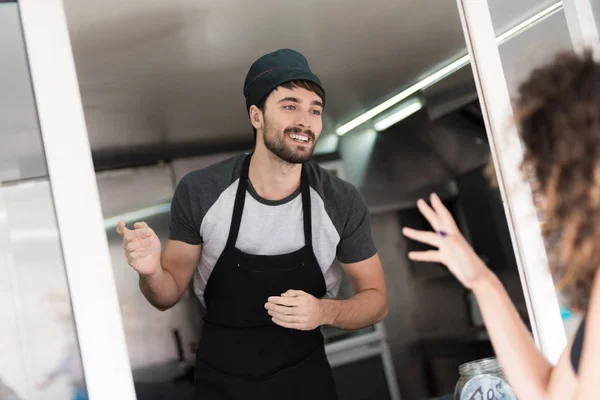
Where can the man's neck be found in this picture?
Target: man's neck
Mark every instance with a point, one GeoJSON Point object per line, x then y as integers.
{"type": "Point", "coordinates": [271, 177]}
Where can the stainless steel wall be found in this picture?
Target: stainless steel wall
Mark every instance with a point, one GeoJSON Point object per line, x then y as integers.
{"type": "Point", "coordinates": [149, 332]}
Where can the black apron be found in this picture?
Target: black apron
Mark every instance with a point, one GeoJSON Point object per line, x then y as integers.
{"type": "Point", "coordinates": [243, 354]}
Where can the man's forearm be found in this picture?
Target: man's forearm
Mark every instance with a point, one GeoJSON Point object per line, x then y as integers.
{"type": "Point", "coordinates": [160, 289]}
{"type": "Point", "coordinates": [363, 309]}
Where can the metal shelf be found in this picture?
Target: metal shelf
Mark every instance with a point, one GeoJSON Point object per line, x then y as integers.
{"type": "Point", "coordinates": [360, 346]}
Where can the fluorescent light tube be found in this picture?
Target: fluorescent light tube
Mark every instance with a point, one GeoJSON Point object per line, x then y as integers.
{"type": "Point", "coordinates": [137, 215]}
{"type": "Point", "coordinates": [405, 111]}
{"type": "Point", "coordinates": [444, 72]}
{"type": "Point", "coordinates": [523, 26]}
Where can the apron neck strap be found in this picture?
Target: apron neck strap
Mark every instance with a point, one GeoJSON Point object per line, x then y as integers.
{"type": "Point", "coordinates": [240, 199]}
{"type": "Point", "coordinates": [306, 208]}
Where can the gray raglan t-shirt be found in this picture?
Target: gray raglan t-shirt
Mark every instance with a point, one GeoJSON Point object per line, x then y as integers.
{"type": "Point", "coordinates": [202, 209]}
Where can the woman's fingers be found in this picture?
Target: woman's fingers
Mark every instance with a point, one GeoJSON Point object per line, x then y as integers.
{"type": "Point", "coordinates": [426, 256]}
{"type": "Point", "coordinates": [447, 222]}
{"type": "Point", "coordinates": [429, 238]}
{"type": "Point", "coordinates": [429, 214]}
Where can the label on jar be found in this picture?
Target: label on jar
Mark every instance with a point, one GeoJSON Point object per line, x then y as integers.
{"type": "Point", "coordinates": [487, 387]}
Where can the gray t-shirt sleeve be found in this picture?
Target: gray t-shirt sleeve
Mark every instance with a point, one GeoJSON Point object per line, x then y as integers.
{"type": "Point", "coordinates": [356, 243]}
{"type": "Point", "coordinates": [185, 214]}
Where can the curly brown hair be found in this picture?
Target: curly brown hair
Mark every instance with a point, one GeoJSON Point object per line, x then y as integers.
{"type": "Point", "coordinates": [558, 115]}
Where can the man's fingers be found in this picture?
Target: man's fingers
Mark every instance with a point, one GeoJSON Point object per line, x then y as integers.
{"type": "Point", "coordinates": [137, 244]}
{"type": "Point", "coordinates": [144, 233]}
{"type": "Point", "coordinates": [130, 235]}
{"type": "Point", "coordinates": [135, 241]}
{"type": "Point", "coordinates": [285, 310]}
{"type": "Point", "coordinates": [430, 238]}
{"type": "Point", "coordinates": [122, 228]}
{"type": "Point", "coordinates": [136, 255]}
{"type": "Point", "coordinates": [284, 301]}
{"type": "Point", "coordinates": [282, 310]}
{"type": "Point", "coordinates": [132, 246]}
{"type": "Point", "coordinates": [138, 234]}
{"type": "Point", "coordinates": [288, 318]}
{"type": "Point", "coordinates": [294, 293]}
{"type": "Point", "coordinates": [141, 230]}
{"type": "Point", "coordinates": [426, 256]}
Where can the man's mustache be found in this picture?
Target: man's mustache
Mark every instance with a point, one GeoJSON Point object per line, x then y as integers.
{"type": "Point", "coordinates": [295, 129]}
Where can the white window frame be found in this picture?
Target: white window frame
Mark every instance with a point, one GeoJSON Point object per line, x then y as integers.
{"type": "Point", "coordinates": [507, 151]}
{"type": "Point", "coordinates": [75, 194]}
{"type": "Point", "coordinates": [582, 25]}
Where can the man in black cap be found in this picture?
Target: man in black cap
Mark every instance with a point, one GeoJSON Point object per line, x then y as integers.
{"type": "Point", "coordinates": [260, 234]}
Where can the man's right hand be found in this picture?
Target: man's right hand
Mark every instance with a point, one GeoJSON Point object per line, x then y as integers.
{"type": "Point", "coordinates": [142, 247]}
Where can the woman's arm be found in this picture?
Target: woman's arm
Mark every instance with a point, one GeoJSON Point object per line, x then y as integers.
{"type": "Point", "coordinates": [530, 375]}
{"type": "Point", "coordinates": [528, 372]}
{"type": "Point", "coordinates": [589, 370]}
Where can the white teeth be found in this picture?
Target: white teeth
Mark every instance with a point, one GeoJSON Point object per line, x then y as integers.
{"type": "Point", "coordinates": [299, 137]}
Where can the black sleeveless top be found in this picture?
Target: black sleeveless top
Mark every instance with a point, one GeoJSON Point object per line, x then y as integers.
{"type": "Point", "coordinates": [577, 345]}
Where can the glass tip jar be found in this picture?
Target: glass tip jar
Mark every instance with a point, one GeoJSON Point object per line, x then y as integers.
{"type": "Point", "coordinates": [482, 380]}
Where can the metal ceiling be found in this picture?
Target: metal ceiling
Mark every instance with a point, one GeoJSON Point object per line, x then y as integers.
{"type": "Point", "coordinates": [156, 73]}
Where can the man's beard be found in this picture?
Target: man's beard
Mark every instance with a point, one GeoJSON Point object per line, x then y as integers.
{"type": "Point", "coordinates": [277, 144]}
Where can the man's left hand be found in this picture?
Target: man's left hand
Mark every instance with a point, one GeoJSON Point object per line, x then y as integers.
{"type": "Point", "coordinates": [295, 309]}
